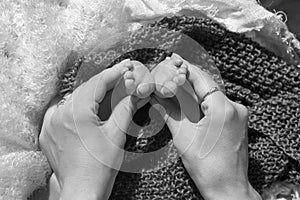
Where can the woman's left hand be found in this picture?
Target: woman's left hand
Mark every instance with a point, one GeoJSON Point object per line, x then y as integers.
{"type": "Point", "coordinates": [213, 148]}
{"type": "Point", "coordinates": [84, 152]}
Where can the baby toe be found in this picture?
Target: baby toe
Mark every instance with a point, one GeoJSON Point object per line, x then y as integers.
{"type": "Point", "coordinates": [182, 70]}
{"type": "Point", "coordinates": [180, 76]}
{"type": "Point", "coordinates": [129, 80]}
{"type": "Point", "coordinates": [179, 79]}
{"type": "Point", "coordinates": [129, 84]}
{"type": "Point", "coordinates": [124, 70]}
{"type": "Point", "coordinates": [178, 63]}
{"type": "Point", "coordinates": [126, 66]}
{"type": "Point", "coordinates": [144, 90]}
{"type": "Point", "coordinates": [169, 89]}
{"type": "Point", "coordinates": [146, 86]}
{"type": "Point", "coordinates": [128, 75]}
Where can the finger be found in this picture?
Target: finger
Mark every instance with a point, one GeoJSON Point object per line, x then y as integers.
{"type": "Point", "coordinates": [95, 88]}
{"type": "Point", "coordinates": [201, 81]}
{"type": "Point", "coordinates": [88, 95]}
{"type": "Point", "coordinates": [203, 84]}
{"type": "Point", "coordinates": [182, 130]}
{"type": "Point", "coordinates": [182, 106]}
{"type": "Point", "coordinates": [188, 104]}
{"type": "Point", "coordinates": [215, 121]}
{"type": "Point", "coordinates": [109, 79]}
{"type": "Point", "coordinates": [122, 113]}
{"type": "Point", "coordinates": [170, 111]}
{"type": "Point", "coordinates": [217, 110]}
{"type": "Point", "coordinates": [214, 107]}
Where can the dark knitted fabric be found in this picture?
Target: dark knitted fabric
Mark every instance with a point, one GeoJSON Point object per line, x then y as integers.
{"type": "Point", "coordinates": [252, 75]}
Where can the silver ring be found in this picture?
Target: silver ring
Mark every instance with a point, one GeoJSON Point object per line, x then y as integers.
{"type": "Point", "coordinates": [212, 90]}
{"type": "Point", "coordinates": [63, 100]}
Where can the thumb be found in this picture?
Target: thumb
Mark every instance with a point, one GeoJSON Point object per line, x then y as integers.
{"type": "Point", "coordinates": [213, 123]}
{"type": "Point", "coordinates": [170, 111]}
{"type": "Point", "coordinates": [122, 113]}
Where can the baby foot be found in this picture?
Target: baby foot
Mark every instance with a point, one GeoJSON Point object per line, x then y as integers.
{"type": "Point", "coordinates": [168, 75]}
{"type": "Point", "coordinates": [138, 80]}
{"type": "Point", "coordinates": [124, 79]}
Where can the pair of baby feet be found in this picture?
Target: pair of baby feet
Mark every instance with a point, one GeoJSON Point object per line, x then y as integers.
{"type": "Point", "coordinates": [163, 80]}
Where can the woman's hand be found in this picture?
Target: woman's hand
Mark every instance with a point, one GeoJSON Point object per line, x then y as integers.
{"type": "Point", "coordinates": [84, 152]}
{"type": "Point", "coordinates": [213, 148]}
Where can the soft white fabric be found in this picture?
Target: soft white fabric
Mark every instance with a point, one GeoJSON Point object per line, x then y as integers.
{"type": "Point", "coordinates": [238, 16]}
{"type": "Point", "coordinates": [35, 38]}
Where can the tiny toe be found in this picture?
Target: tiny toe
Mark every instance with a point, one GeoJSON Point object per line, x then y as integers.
{"type": "Point", "coordinates": [178, 63]}
{"type": "Point", "coordinates": [124, 70]}
{"type": "Point", "coordinates": [179, 79]}
{"type": "Point", "coordinates": [129, 84]}
{"type": "Point", "coordinates": [182, 71]}
{"type": "Point", "coordinates": [129, 66]}
{"type": "Point", "coordinates": [169, 89]}
{"type": "Point", "coordinates": [128, 75]}
{"type": "Point", "coordinates": [146, 86]}
{"type": "Point", "coordinates": [184, 65]}
{"type": "Point", "coordinates": [125, 60]}
{"type": "Point", "coordinates": [129, 80]}
{"type": "Point", "coordinates": [144, 90]}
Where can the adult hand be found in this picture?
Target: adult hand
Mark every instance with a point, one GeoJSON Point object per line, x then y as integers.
{"type": "Point", "coordinates": [84, 152]}
{"type": "Point", "coordinates": [213, 148]}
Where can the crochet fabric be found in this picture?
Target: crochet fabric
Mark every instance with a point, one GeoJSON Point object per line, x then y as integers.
{"type": "Point", "coordinates": [252, 75]}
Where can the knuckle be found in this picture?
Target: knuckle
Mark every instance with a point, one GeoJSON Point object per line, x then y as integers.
{"type": "Point", "coordinates": [230, 112]}
{"type": "Point", "coordinates": [243, 111]}
{"type": "Point", "coordinates": [237, 112]}
{"type": "Point", "coordinates": [233, 112]}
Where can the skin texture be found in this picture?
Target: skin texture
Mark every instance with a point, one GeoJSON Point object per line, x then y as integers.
{"type": "Point", "coordinates": [168, 75]}
{"type": "Point", "coordinates": [213, 149]}
{"type": "Point", "coordinates": [84, 152]}
{"type": "Point", "coordinates": [213, 145]}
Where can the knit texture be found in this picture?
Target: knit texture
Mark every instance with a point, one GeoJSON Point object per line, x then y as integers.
{"type": "Point", "coordinates": [252, 75]}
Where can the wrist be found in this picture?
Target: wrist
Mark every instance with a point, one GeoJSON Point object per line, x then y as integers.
{"type": "Point", "coordinates": [88, 188]}
{"type": "Point", "coordinates": [79, 195]}
{"type": "Point", "coordinates": [86, 192]}
{"type": "Point", "coordinates": [230, 192]}
{"type": "Point", "coordinates": [224, 188]}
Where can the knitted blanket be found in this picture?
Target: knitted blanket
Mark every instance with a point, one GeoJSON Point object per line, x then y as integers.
{"type": "Point", "coordinates": [249, 74]}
